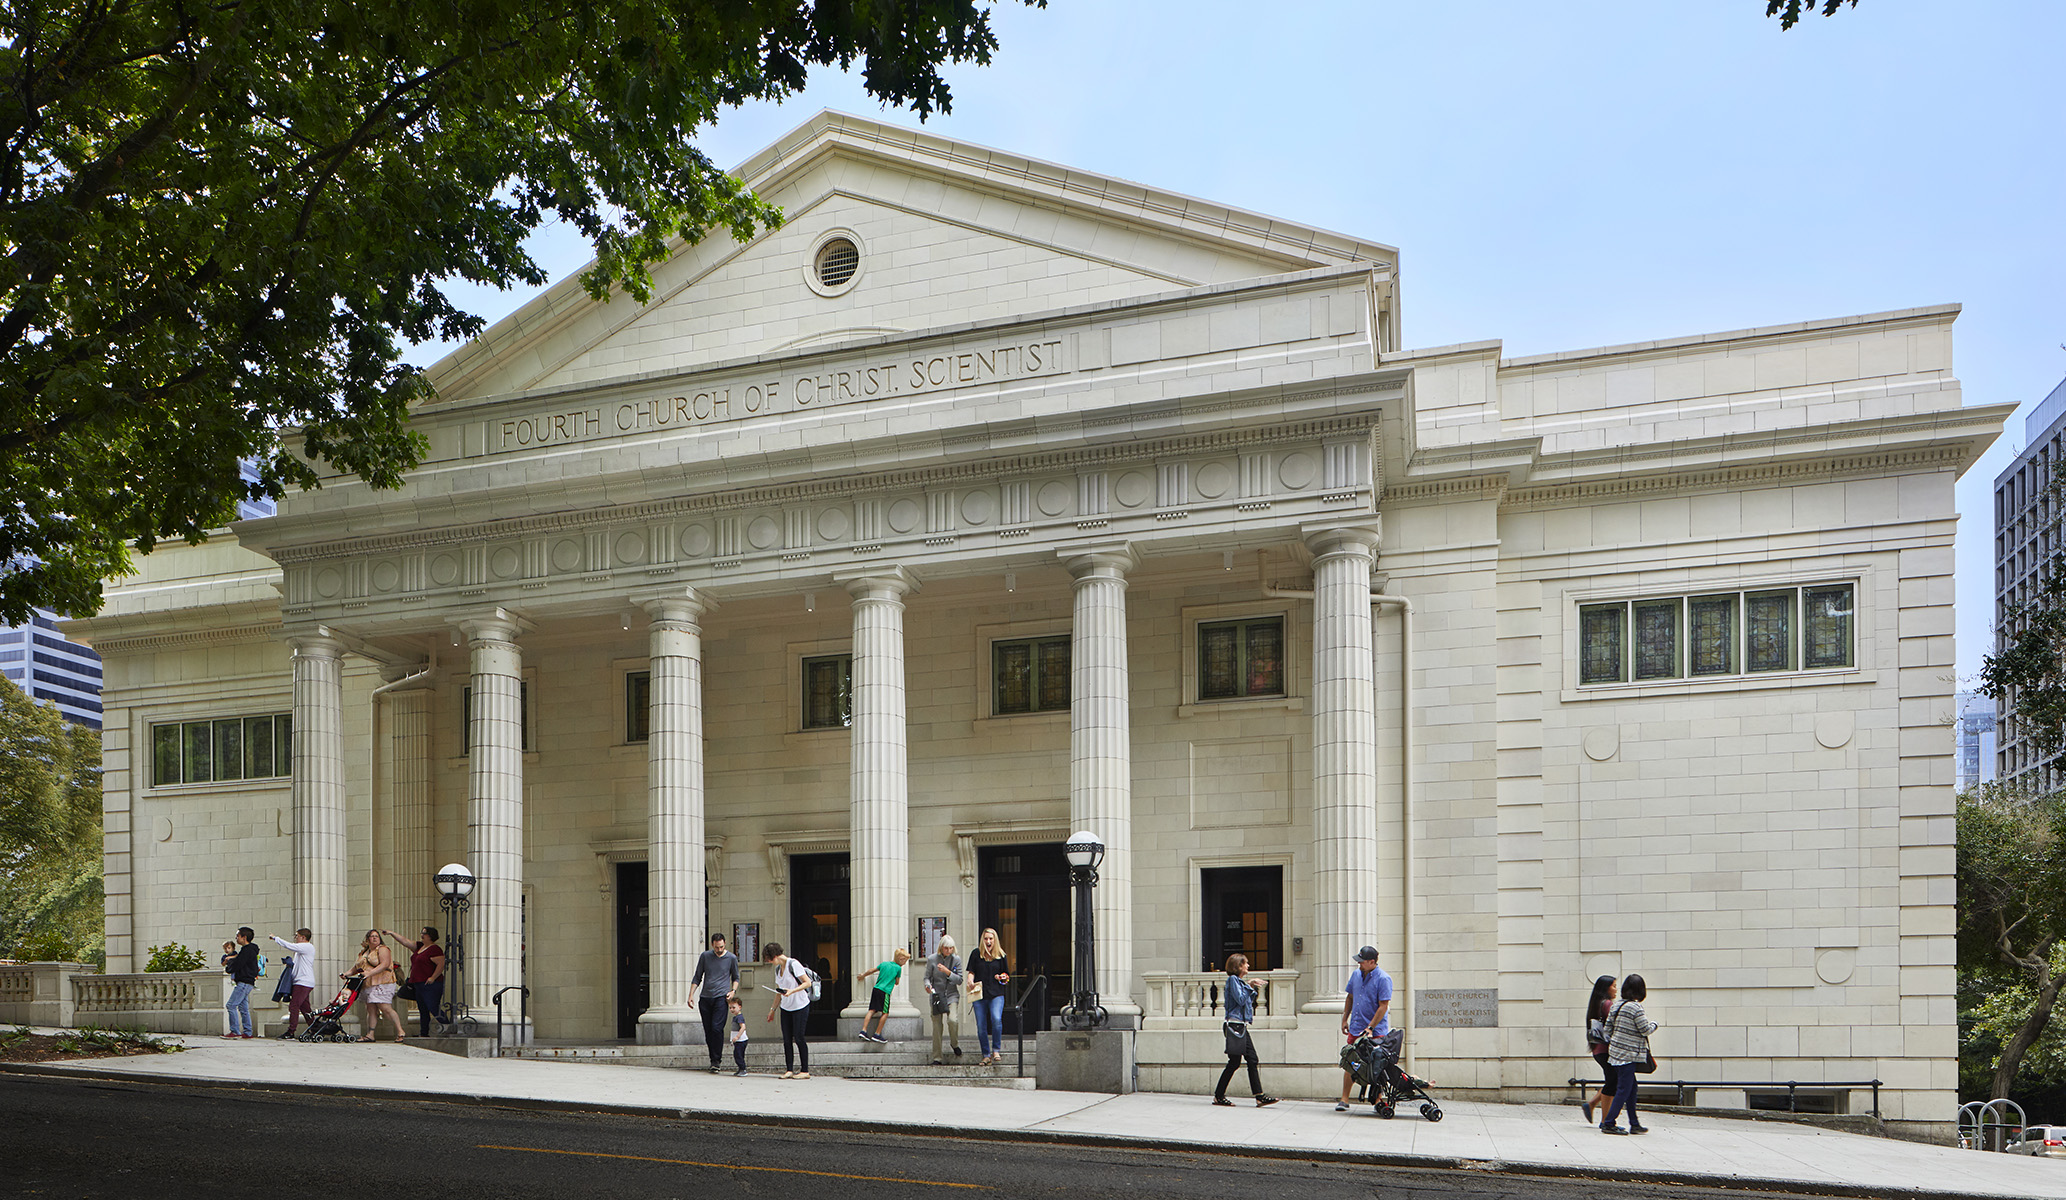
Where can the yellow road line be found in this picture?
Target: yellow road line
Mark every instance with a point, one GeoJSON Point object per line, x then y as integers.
{"type": "Point", "coordinates": [685, 1162]}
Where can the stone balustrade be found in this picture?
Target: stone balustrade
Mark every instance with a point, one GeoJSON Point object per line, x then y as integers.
{"type": "Point", "coordinates": [1192, 999]}
{"type": "Point", "coordinates": [38, 993]}
{"type": "Point", "coordinates": [159, 1002]}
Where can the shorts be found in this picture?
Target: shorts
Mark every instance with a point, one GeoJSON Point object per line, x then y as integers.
{"type": "Point", "coordinates": [878, 1001]}
{"type": "Point", "coordinates": [382, 993]}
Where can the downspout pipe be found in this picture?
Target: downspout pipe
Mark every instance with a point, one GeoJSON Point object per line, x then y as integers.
{"type": "Point", "coordinates": [1404, 607]}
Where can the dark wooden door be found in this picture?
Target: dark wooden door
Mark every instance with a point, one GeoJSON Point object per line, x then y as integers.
{"type": "Point", "coordinates": [1023, 893]}
{"type": "Point", "coordinates": [820, 911]}
{"type": "Point", "coordinates": [634, 949]}
{"type": "Point", "coordinates": [1244, 913]}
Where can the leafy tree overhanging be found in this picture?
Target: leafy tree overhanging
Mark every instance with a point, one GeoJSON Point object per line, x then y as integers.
{"type": "Point", "coordinates": [223, 219]}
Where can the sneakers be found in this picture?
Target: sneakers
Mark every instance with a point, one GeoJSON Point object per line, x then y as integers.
{"type": "Point", "coordinates": [869, 1037]}
{"type": "Point", "coordinates": [1614, 1129]}
{"type": "Point", "coordinates": [713, 1068]}
{"type": "Point", "coordinates": [1635, 1128]}
{"type": "Point", "coordinates": [1222, 1102]}
{"type": "Point", "coordinates": [1265, 1101]}
{"type": "Point", "coordinates": [1341, 1106]}
{"type": "Point", "coordinates": [740, 1073]}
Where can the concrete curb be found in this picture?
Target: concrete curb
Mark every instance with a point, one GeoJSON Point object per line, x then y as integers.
{"type": "Point", "coordinates": [1025, 1136]}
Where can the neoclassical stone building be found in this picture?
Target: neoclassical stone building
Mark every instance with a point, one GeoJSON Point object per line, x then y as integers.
{"type": "Point", "coordinates": [988, 499]}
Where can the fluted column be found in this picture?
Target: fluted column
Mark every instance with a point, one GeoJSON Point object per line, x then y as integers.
{"type": "Point", "coordinates": [321, 896]}
{"type": "Point", "coordinates": [411, 894]}
{"type": "Point", "coordinates": [880, 791]}
{"type": "Point", "coordinates": [1344, 758]}
{"type": "Point", "coordinates": [1101, 762]}
{"type": "Point", "coordinates": [495, 809]}
{"type": "Point", "coordinates": [676, 919]}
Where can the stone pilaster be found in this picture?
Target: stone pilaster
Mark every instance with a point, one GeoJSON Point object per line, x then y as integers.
{"type": "Point", "coordinates": [1344, 759]}
{"type": "Point", "coordinates": [411, 896]}
{"type": "Point", "coordinates": [1101, 761]}
{"type": "Point", "coordinates": [676, 916]}
{"type": "Point", "coordinates": [880, 823]}
{"type": "Point", "coordinates": [495, 809]}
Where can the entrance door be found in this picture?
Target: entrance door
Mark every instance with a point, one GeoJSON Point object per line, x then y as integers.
{"type": "Point", "coordinates": [818, 932]}
{"type": "Point", "coordinates": [1244, 909]}
{"type": "Point", "coordinates": [1023, 893]}
{"type": "Point", "coordinates": [634, 955]}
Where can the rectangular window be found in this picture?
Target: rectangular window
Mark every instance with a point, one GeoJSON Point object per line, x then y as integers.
{"type": "Point", "coordinates": [1657, 639]}
{"type": "Point", "coordinates": [222, 750]}
{"type": "Point", "coordinates": [1029, 675]}
{"type": "Point", "coordinates": [1732, 633]}
{"type": "Point", "coordinates": [828, 691]}
{"type": "Point", "coordinates": [1241, 658]}
{"type": "Point", "coordinates": [1601, 632]}
{"type": "Point", "coordinates": [638, 706]}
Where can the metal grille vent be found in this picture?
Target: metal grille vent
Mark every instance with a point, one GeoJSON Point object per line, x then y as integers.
{"type": "Point", "coordinates": [837, 262]}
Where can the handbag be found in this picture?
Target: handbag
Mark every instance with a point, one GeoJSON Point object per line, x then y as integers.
{"type": "Point", "coordinates": [406, 992]}
{"type": "Point", "coordinates": [1237, 1037]}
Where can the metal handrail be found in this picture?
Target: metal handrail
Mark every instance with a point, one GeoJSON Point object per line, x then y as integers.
{"type": "Point", "coordinates": [1791, 1086]}
{"type": "Point", "coordinates": [1039, 984]}
{"type": "Point", "coordinates": [523, 1012]}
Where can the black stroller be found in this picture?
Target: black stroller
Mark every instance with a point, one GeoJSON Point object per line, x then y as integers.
{"type": "Point", "coordinates": [328, 1025]}
{"type": "Point", "coordinates": [1374, 1064]}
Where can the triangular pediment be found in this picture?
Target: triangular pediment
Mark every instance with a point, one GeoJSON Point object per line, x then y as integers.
{"type": "Point", "coordinates": [948, 234]}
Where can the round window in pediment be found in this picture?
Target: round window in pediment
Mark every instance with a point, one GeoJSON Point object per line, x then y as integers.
{"type": "Point", "coordinates": [837, 262]}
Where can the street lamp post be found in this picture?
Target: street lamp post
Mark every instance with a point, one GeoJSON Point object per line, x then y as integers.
{"type": "Point", "coordinates": [1085, 852]}
{"type": "Point", "coordinates": [455, 884]}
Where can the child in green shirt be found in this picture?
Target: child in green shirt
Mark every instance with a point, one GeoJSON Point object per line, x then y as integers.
{"type": "Point", "coordinates": [886, 975]}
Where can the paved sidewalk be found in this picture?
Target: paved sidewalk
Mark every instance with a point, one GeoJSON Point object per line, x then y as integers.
{"type": "Point", "coordinates": [1548, 1139]}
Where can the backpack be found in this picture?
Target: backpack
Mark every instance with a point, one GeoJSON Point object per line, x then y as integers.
{"type": "Point", "coordinates": [803, 973]}
{"type": "Point", "coordinates": [261, 966]}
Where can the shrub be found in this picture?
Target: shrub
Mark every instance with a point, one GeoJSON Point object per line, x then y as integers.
{"type": "Point", "coordinates": [175, 957]}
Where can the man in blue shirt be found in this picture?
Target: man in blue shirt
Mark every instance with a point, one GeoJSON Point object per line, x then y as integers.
{"type": "Point", "coordinates": [1364, 1009]}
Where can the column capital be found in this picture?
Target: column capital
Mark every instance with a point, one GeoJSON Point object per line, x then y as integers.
{"type": "Point", "coordinates": [892, 584]}
{"type": "Point", "coordinates": [682, 604]}
{"type": "Point", "coordinates": [495, 625]}
{"type": "Point", "coordinates": [317, 643]}
{"type": "Point", "coordinates": [1109, 560]}
{"type": "Point", "coordinates": [1330, 538]}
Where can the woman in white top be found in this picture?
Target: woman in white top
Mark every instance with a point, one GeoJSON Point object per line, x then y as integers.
{"type": "Point", "coordinates": [793, 998]}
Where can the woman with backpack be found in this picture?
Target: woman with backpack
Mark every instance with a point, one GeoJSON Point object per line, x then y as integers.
{"type": "Point", "coordinates": [793, 999]}
{"type": "Point", "coordinates": [1628, 1049]}
{"type": "Point", "coordinates": [1596, 1043]}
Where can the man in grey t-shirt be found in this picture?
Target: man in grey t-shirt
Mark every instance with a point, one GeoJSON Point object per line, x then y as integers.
{"type": "Point", "coordinates": [717, 973]}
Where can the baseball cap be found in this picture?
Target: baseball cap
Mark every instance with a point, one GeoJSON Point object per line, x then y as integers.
{"type": "Point", "coordinates": [1367, 954]}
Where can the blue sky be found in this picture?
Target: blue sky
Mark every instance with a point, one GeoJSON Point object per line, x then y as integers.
{"type": "Point", "coordinates": [1565, 175]}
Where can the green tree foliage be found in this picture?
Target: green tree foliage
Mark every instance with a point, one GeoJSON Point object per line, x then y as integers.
{"type": "Point", "coordinates": [1790, 12]}
{"type": "Point", "coordinates": [2026, 674]}
{"type": "Point", "coordinates": [2012, 917]}
{"type": "Point", "coordinates": [174, 956]}
{"type": "Point", "coordinates": [221, 219]}
{"type": "Point", "coordinates": [50, 845]}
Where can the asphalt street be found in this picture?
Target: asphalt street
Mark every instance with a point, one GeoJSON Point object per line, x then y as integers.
{"type": "Point", "coordinates": [68, 1138]}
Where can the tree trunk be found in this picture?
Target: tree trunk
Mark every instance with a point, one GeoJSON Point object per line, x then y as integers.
{"type": "Point", "coordinates": [2032, 1028]}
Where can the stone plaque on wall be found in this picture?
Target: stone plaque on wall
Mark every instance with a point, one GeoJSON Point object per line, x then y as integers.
{"type": "Point", "coordinates": [1456, 1008]}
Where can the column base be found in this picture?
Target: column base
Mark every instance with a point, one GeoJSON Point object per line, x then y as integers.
{"type": "Point", "coordinates": [907, 1026]}
{"type": "Point", "coordinates": [671, 1026]}
{"type": "Point", "coordinates": [1324, 1004]}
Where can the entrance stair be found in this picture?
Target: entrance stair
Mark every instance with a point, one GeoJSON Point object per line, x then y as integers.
{"type": "Point", "coordinates": [905, 1062]}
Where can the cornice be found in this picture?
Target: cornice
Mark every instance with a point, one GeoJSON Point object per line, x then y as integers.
{"type": "Point", "coordinates": [188, 639]}
{"type": "Point", "coordinates": [1883, 463]}
{"type": "Point", "coordinates": [1472, 487]}
{"type": "Point", "coordinates": [844, 485]}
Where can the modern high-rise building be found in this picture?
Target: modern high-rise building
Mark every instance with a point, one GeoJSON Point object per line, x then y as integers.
{"type": "Point", "coordinates": [1976, 736]}
{"type": "Point", "coordinates": [2026, 535]}
{"type": "Point", "coordinates": [48, 667]}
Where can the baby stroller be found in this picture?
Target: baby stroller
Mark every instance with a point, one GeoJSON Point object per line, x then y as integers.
{"type": "Point", "coordinates": [1374, 1064]}
{"type": "Point", "coordinates": [328, 1025]}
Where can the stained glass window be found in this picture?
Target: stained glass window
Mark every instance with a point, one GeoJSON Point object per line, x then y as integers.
{"type": "Point", "coordinates": [1657, 639]}
{"type": "Point", "coordinates": [1029, 675]}
{"type": "Point", "coordinates": [1600, 632]}
{"type": "Point", "coordinates": [223, 750]}
{"type": "Point", "coordinates": [1711, 634]}
{"type": "Point", "coordinates": [828, 692]}
{"type": "Point", "coordinates": [1828, 627]}
{"type": "Point", "coordinates": [1768, 630]}
{"type": "Point", "coordinates": [1241, 658]}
